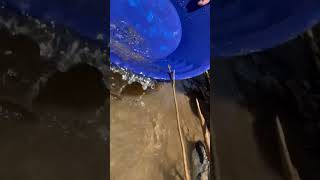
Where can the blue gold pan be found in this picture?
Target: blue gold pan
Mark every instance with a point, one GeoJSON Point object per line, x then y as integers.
{"type": "Point", "coordinates": [147, 36]}
{"type": "Point", "coordinates": [245, 26]}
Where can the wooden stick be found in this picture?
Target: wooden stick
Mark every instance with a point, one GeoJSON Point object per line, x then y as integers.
{"type": "Point", "coordinates": [205, 131]}
{"type": "Point", "coordinates": [291, 171]}
{"type": "Point", "coordinates": [186, 168]}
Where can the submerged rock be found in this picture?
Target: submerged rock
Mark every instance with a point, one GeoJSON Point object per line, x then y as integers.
{"type": "Point", "coordinates": [200, 162]}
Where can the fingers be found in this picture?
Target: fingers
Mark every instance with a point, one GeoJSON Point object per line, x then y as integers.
{"type": "Point", "coordinates": [203, 2]}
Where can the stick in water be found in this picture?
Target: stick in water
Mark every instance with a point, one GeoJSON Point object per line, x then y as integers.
{"type": "Point", "coordinates": [186, 169]}
{"type": "Point", "coordinates": [205, 131]}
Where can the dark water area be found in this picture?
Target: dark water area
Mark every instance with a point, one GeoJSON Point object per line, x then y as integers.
{"type": "Point", "coordinates": [250, 92]}
{"type": "Point", "coordinates": [80, 86]}
{"type": "Point", "coordinates": [53, 110]}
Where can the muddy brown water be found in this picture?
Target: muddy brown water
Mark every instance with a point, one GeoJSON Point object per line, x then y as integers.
{"type": "Point", "coordinates": [51, 127]}
{"type": "Point", "coordinates": [53, 139]}
{"type": "Point", "coordinates": [144, 140]}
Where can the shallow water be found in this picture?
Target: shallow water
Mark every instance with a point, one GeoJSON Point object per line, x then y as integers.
{"type": "Point", "coordinates": [144, 135]}
{"type": "Point", "coordinates": [53, 117]}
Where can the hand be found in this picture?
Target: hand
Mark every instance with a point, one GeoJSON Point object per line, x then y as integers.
{"type": "Point", "coordinates": [203, 2]}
